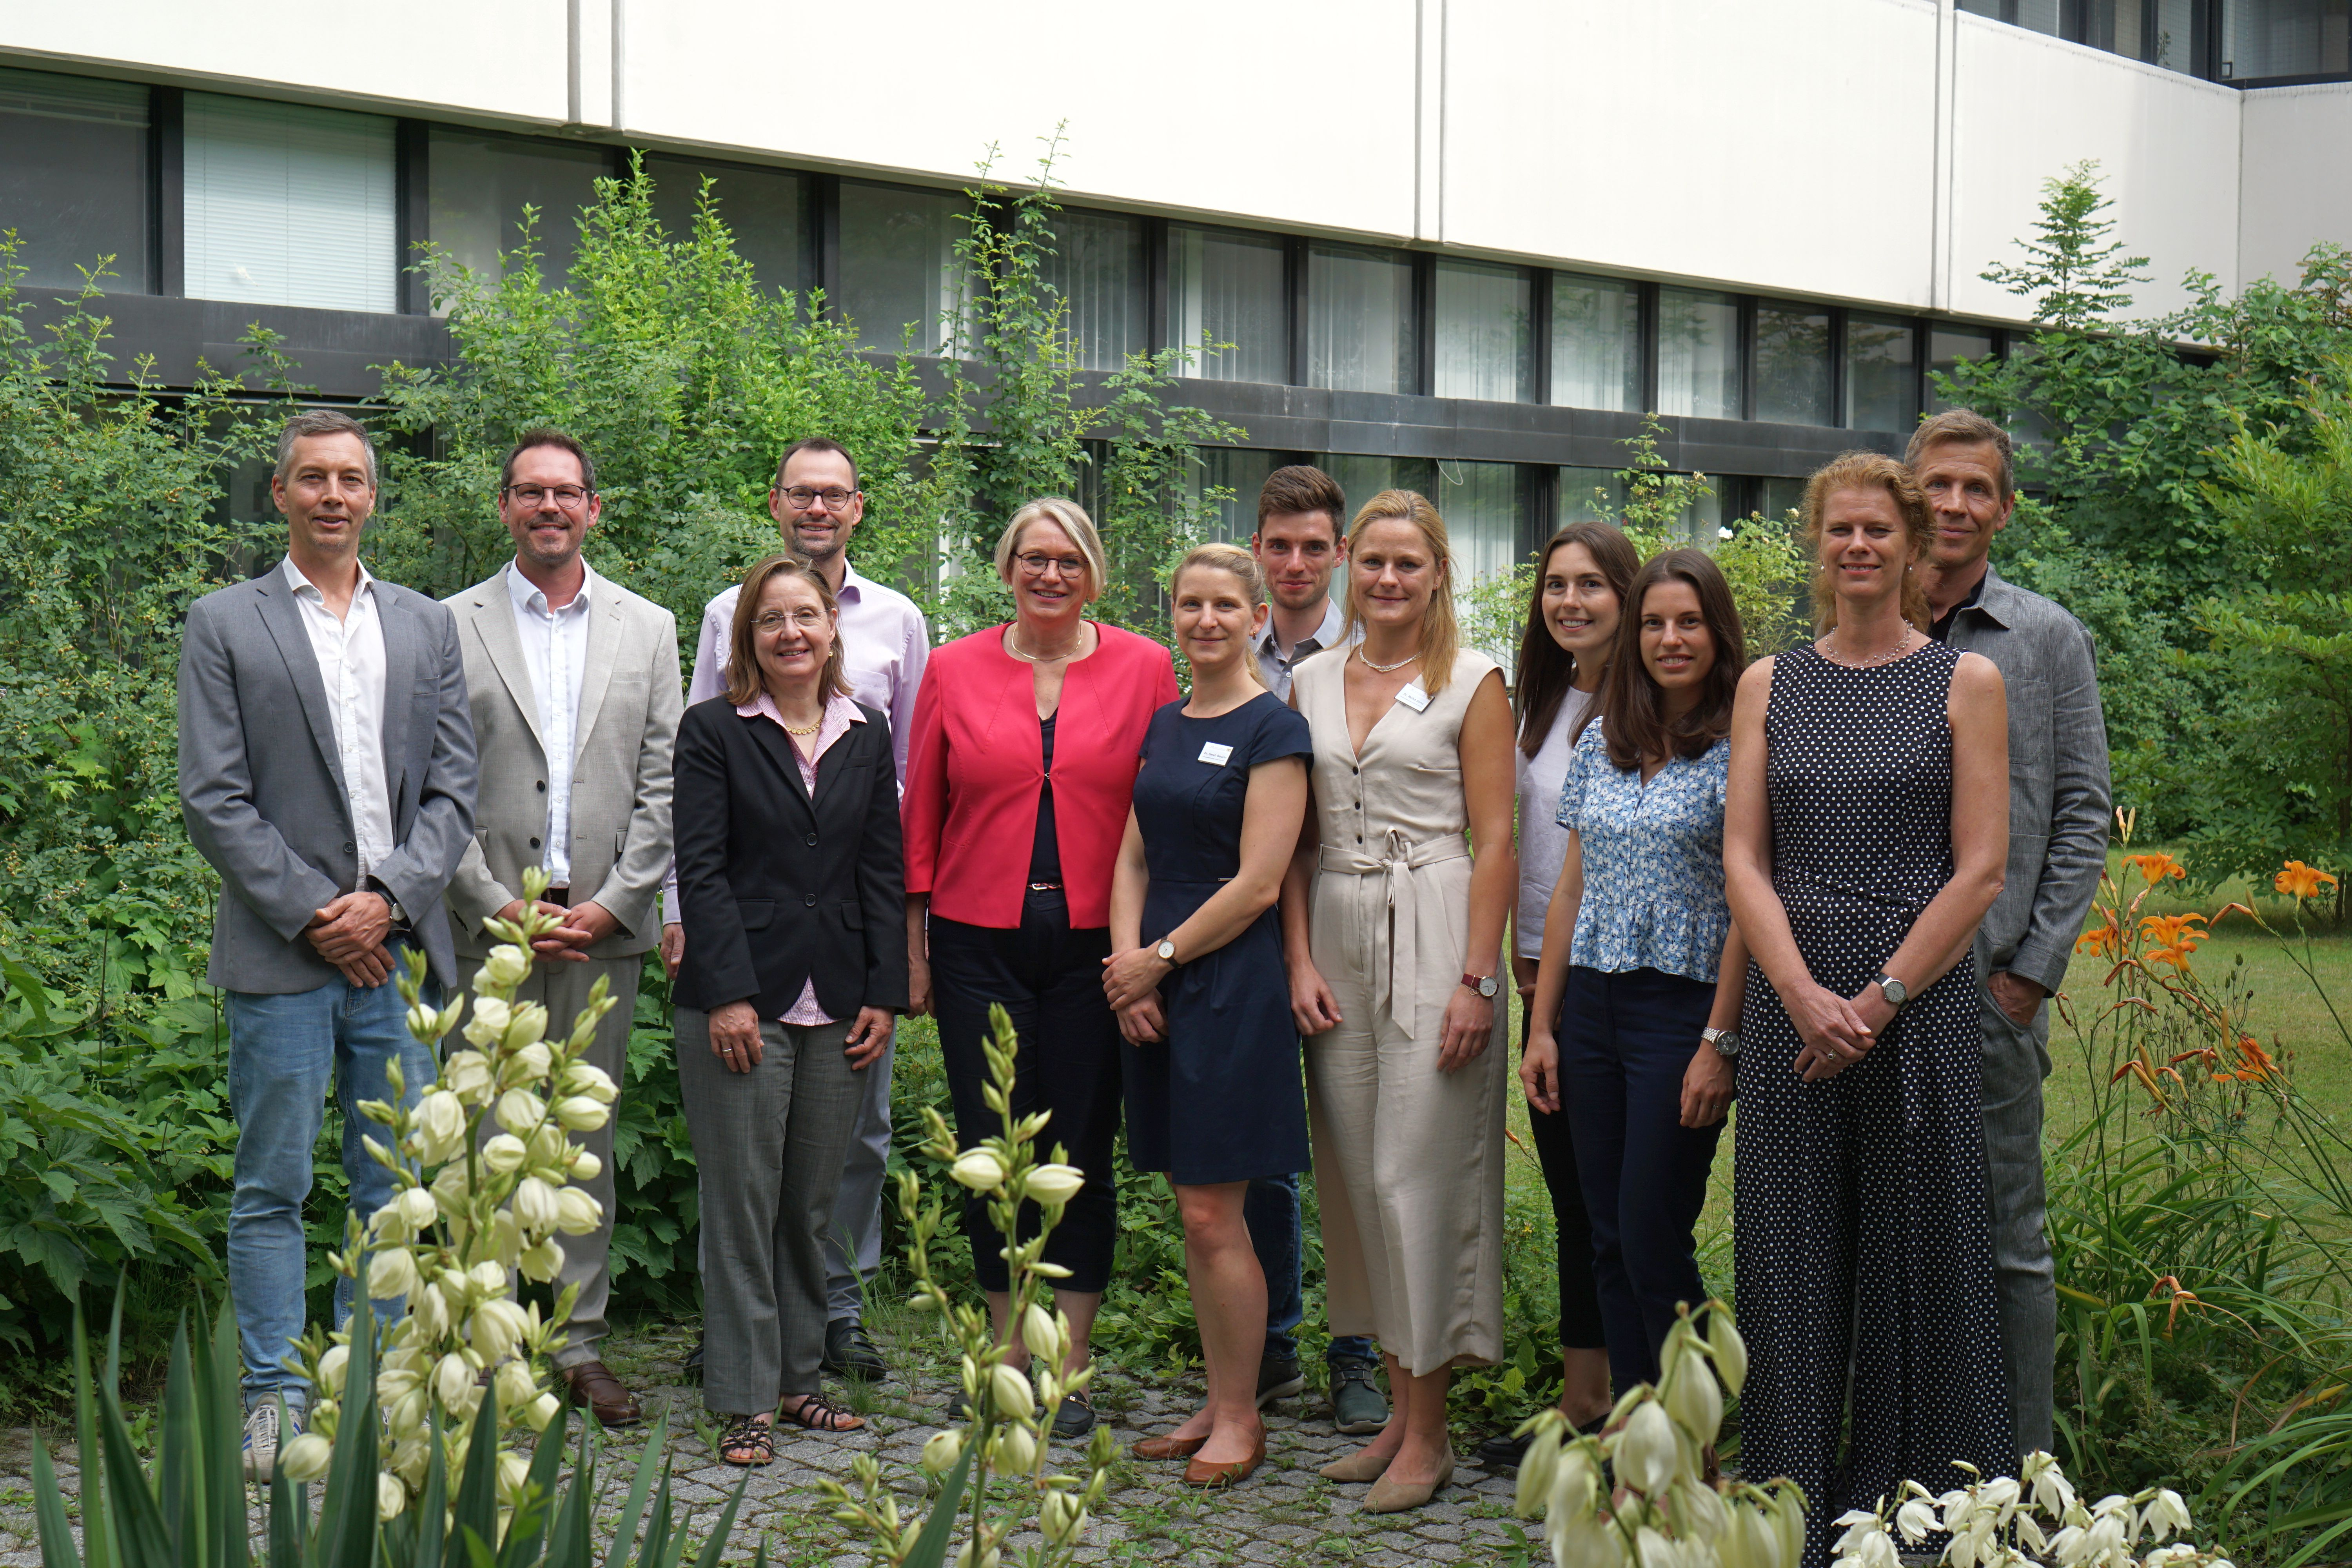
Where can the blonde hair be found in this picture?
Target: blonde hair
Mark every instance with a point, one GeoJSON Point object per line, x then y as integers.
{"type": "Point", "coordinates": [1245, 570]}
{"type": "Point", "coordinates": [1863, 471]}
{"type": "Point", "coordinates": [1440, 634]}
{"type": "Point", "coordinates": [743, 683]}
{"type": "Point", "coordinates": [1071, 518]}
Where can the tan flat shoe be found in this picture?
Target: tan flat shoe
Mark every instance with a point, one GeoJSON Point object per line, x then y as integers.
{"type": "Point", "coordinates": [1358, 1466]}
{"type": "Point", "coordinates": [1400, 1497]}
{"type": "Point", "coordinates": [1167, 1448]}
{"type": "Point", "coordinates": [1201, 1473]}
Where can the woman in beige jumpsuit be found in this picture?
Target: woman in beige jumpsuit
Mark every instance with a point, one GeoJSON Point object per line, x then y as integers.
{"type": "Point", "coordinates": [1393, 934]}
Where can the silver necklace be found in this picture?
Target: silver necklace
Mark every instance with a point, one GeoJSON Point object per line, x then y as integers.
{"type": "Point", "coordinates": [1387, 668]}
{"type": "Point", "coordinates": [1875, 659]}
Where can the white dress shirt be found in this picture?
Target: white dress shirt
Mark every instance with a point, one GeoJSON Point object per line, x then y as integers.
{"type": "Point", "coordinates": [555, 648]}
{"type": "Point", "coordinates": [349, 651]}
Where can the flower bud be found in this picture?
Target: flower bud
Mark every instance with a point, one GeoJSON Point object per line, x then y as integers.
{"type": "Point", "coordinates": [540, 1411]}
{"type": "Point", "coordinates": [1692, 1397]}
{"type": "Point", "coordinates": [979, 1170]}
{"type": "Point", "coordinates": [452, 1380]}
{"type": "Point", "coordinates": [1730, 1349]}
{"type": "Point", "coordinates": [489, 1024]}
{"type": "Point", "coordinates": [468, 1074]}
{"type": "Point", "coordinates": [429, 1311]}
{"type": "Point", "coordinates": [970, 1556]}
{"type": "Point", "coordinates": [1011, 1391]}
{"type": "Point", "coordinates": [543, 1262]}
{"type": "Point", "coordinates": [579, 1113]}
{"type": "Point", "coordinates": [504, 1153]}
{"type": "Point", "coordinates": [391, 1497]}
{"type": "Point", "coordinates": [940, 1454]}
{"type": "Point", "coordinates": [440, 1126]}
{"type": "Point", "coordinates": [1054, 1183]}
{"type": "Point", "coordinates": [526, 1027]}
{"type": "Point", "coordinates": [577, 1214]}
{"type": "Point", "coordinates": [587, 1078]}
{"type": "Point", "coordinates": [1648, 1454]}
{"type": "Point", "coordinates": [1013, 1451]}
{"type": "Point", "coordinates": [502, 971]}
{"type": "Point", "coordinates": [417, 1209]}
{"type": "Point", "coordinates": [305, 1458]}
{"type": "Point", "coordinates": [1060, 1517]}
{"type": "Point", "coordinates": [331, 1368]}
{"type": "Point", "coordinates": [391, 1272]}
{"type": "Point", "coordinates": [584, 1166]}
{"type": "Point", "coordinates": [516, 1387]}
{"type": "Point", "coordinates": [1037, 1333]}
{"type": "Point", "coordinates": [534, 1205]}
{"type": "Point", "coordinates": [520, 1112]}
{"type": "Point", "coordinates": [1538, 1466]}
{"type": "Point", "coordinates": [530, 1063]}
{"type": "Point", "coordinates": [513, 1471]}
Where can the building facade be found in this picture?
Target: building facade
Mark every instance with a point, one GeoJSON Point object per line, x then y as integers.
{"type": "Point", "coordinates": [1461, 244]}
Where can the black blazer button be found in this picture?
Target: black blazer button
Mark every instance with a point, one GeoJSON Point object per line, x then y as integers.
{"type": "Point", "coordinates": [542, 786]}
{"type": "Point", "coordinates": [351, 848]}
{"type": "Point", "coordinates": [812, 840]}
{"type": "Point", "coordinates": [534, 843]}
{"type": "Point", "coordinates": [810, 901]}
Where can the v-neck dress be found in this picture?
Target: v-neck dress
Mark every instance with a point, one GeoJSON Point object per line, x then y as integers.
{"type": "Point", "coordinates": [1219, 1100]}
{"type": "Point", "coordinates": [1408, 1159]}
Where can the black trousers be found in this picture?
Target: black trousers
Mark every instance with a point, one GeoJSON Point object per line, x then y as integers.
{"type": "Point", "coordinates": [1048, 976]}
{"type": "Point", "coordinates": [1580, 1293]}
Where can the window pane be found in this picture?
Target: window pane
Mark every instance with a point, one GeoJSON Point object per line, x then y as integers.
{"type": "Point", "coordinates": [2285, 37]}
{"type": "Point", "coordinates": [1702, 520]}
{"type": "Point", "coordinates": [1359, 320]}
{"type": "Point", "coordinates": [1881, 380]}
{"type": "Point", "coordinates": [1227, 286]}
{"type": "Point", "coordinates": [1590, 495]}
{"type": "Point", "coordinates": [765, 209]}
{"type": "Point", "coordinates": [74, 184]}
{"type": "Point", "coordinates": [1698, 353]}
{"type": "Point", "coordinates": [480, 183]}
{"type": "Point", "coordinates": [1485, 346]}
{"type": "Point", "coordinates": [1946, 347]}
{"type": "Point", "coordinates": [2171, 45]}
{"type": "Point", "coordinates": [1362, 477]}
{"type": "Point", "coordinates": [1241, 471]}
{"type": "Point", "coordinates": [1777, 497]}
{"type": "Point", "coordinates": [898, 263]}
{"type": "Point", "coordinates": [1596, 342]}
{"type": "Point", "coordinates": [288, 206]}
{"type": "Point", "coordinates": [1098, 266]}
{"type": "Point", "coordinates": [1793, 366]}
{"type": "Point", "coordinates": [1483, 506]}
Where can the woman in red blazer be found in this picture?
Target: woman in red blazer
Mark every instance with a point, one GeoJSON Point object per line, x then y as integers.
{"type": "Point", "coordinates": [1020, 765]}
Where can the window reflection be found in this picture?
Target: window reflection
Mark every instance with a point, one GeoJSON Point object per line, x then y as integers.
{"type": "Point", "coordinates": [84, 198]}
{"type": "Point", "coordinates": [1485, 346]}
{"type": "Point", "coordinates": [1226, 287]}
{"type": "Point", "coordinates": [766, 211]}
{"type": "Point", "coordinates": [1360, 334]}
{"type": "Point", "coordinates": [1596, 342]}
{"type": "Point", "coordinates": [480, 182]}
{"type": "Point", "coordinates": [899, 266]}
{"type": "Point", "coordinates": [1243, 473]}
{"type": "Point", "coordinates": [1882, 373]}
{"type": "Point", "coordinates": [1792, 365]}
{"type": "Point", "coordinates": [1098, 265]}
{"type": "Point", "coordinates": [1947, 349]}
{"type": "Point", "coordinates": [1698, 353]}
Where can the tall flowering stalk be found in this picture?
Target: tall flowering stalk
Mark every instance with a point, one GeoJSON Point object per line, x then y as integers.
{"type": "Point", "coordinates": [2011, 1522]}
{"type": "Point", "coordinates": [995, 1464]}
{"type": "Point", "coordinates": [483, 1165]}
{"type": "Point", "coordinates": [1664, 1509]}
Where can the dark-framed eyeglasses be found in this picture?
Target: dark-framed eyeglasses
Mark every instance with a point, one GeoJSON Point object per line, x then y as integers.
{"type": "Point", "coordinates": [834, 497]}
{"type": "Point", "coordinates": [1035, 561]}
{"type": "Point", "coordinates": [569, 497]}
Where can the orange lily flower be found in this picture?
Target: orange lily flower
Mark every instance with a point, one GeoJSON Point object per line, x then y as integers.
{"type": "Point", "coordinates": [2156, 868]}
{"type": "Point", "coordinates": [2173, 930]}
{"type": "Point", "coordinates": [2302, 881]}
{"type": "Point", "coordinates": [2107, 941]}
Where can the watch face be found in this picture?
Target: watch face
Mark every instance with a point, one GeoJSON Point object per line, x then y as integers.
{"type": "Point", "coordinates": [1894, 989]}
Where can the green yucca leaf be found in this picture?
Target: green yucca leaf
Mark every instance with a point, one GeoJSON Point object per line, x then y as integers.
{"type": "Point", "coordinates": [529, 1525]}
{"type": "Point", "coordinates": [477, 1488]}
{"type": "Point", "coordinates": [347, 1526]}
{"type": "Point", "coordinates": [219, 1443]}
{"type": "Point", "coordinates": [177, 1461]}
{"type": "Point", "coordinates": [723, 1529]}
{"type": "Point", "coordinates": [625, 1533]}
{"type": "Point", "coordinates": [49, 1510]}
{"type": "Point", "coordinates": [433, 1504]}
{"type": "Point", "coordinates": [930, 1548]}
{"type": "Point", "coordinates": [567, 1543]}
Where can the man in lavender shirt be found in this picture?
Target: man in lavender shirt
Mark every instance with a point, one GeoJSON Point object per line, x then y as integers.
{"type": "Point", "coordinates": [817, 504]}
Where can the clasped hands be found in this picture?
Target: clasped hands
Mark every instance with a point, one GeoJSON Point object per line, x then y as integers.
{"type": "Point", "coordinates": [350, 935]}
{"type": "Point", "coordinates": [1131, 985]}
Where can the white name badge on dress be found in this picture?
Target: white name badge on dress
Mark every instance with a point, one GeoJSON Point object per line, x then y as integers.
{"type": "Point", "coordinates": [1413, 697]}
{"type": "Point", "coordinates": [1215, 755]}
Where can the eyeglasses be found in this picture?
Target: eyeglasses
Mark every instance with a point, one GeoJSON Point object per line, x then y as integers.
{"type": "Point", "coordinates": [1034, 563]}
{"type": "Point", "coordinates": [568, 497]}
{"type": "Point", "coordinates": [775, 621]}
{"type": "Point", "coordinates": [835, 498]}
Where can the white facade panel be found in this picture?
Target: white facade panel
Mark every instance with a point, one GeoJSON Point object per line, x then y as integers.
{"type": "Point", "coordinates": [2027, 107]}
{"type": "Point", "coordinates": [1774, 147]}
{"type": "Point", "coordinates": [1284, 113]}
{"type": "Point", "coordinates": [2296, 176]}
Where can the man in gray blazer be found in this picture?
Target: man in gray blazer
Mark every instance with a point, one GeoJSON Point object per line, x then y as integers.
{"type": "Point", "coordinates": [2058, 806]}
{"type": "Point", "coordinates": [327, 773]}
{"type": "Point", "coordinates": [575, 705]}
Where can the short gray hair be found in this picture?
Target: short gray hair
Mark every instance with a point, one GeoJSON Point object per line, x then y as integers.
{"type": "Point", "coordinates": [1963, 427]}
{"type": "Point", "coordinates": [321, 422]}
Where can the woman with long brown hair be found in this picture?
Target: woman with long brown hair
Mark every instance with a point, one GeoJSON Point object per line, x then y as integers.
{"type": "Point", "coordinates": [1865, 837]}
{"type": "Point", "coordinates": [1393, 935]}
{"type": "Point", "coordinates": [1640, 987]}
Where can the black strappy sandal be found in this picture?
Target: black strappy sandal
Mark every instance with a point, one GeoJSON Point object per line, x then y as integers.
{"type": "Point", "coordinates": [748, 1435]}
{"type": "Point", "coordinates": [816, 1414]}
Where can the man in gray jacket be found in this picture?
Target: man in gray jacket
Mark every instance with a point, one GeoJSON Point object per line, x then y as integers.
{"type": "Point", "coordinates": [327, 773]}
{"type": "Point", "coordinates": [2058, 806]}
{"type": "Point", "coordinates": [574, 686]}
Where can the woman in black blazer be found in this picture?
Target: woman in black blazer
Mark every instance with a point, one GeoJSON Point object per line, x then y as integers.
{"type": "Point", "coordinates": [792, 888]}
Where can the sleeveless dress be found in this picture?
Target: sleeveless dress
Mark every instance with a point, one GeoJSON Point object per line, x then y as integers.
{"type": "Point", "coordinates": [1219, 1100]}
{"type": "Point", "coordinates": [1861, 1234]}
{"type": "Point", "coordinates": [1408, 1159]}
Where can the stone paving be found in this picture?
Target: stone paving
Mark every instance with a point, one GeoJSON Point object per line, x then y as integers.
{"type": "Point", "coordinates": [1286, 1514]}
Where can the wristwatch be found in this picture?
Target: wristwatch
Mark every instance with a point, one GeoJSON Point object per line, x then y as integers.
{"type": "Point", "coordinates": [1724, 1041]}
{"type": "Point", "coordinates": [1894, 989]}
{"type": "Point", "coordinates": [1484, 984]}
{"type": "Point", "coordinates": [399, 915]}
{"type": "Point", "coordinates": [1167, 951]}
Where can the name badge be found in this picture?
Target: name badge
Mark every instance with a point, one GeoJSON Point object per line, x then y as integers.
{"type": "Point", "coordinates": [1215, 755]}
{"type": "Point", "coordinates": [1413, 697]}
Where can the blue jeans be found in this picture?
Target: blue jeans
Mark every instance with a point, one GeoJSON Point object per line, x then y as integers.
{"type": "Point", "coordinates": [283, 1052]}
{"type": "Point", "coordinates": [1271, 1210]}
{"type": "Point", "coordinates": [1625, 1040]}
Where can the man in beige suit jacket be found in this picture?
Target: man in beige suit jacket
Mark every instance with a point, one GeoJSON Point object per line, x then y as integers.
{"type": "Point", "coordinates": [574, 689]}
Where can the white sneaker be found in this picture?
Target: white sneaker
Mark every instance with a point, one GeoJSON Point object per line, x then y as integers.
{"type": "Point", "coordinates": [264, 1437]}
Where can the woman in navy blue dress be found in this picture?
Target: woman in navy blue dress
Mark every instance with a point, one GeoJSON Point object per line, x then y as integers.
{"type": "Point", "coordinates": [1213, 1091]}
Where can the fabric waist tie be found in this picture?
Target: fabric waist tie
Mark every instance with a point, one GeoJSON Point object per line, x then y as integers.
{"type": "Point", "coordinates": [1395, 940]}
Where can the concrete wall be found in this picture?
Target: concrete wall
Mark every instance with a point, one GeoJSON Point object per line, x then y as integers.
{"type": "Point", "coordinates": [2295, 167]}
{"type": "Point", "coordinates": [1875, 150]}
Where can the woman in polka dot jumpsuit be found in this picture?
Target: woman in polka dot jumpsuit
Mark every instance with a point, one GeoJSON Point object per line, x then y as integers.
{"type": "Point", "coordinates": [1864, 835]}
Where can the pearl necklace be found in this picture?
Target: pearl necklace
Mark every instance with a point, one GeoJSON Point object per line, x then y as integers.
{"type": "Point", "coordinates": [1387, 668]}
{"type": "Point", "coordinates": [1875, 659]}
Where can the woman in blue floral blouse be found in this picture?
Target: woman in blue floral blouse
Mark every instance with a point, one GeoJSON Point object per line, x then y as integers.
{"type": "Point", "coordinates": [1642, 974]}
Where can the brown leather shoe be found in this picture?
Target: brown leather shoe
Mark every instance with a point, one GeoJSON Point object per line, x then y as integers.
{"type": "Point", "coordinates": [592, 1384]}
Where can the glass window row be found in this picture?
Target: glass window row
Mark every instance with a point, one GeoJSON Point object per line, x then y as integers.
{"type": "Point", "coordinates": [2247, 43]}
{"type": "Point", "coordinates": [1246, 306]}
